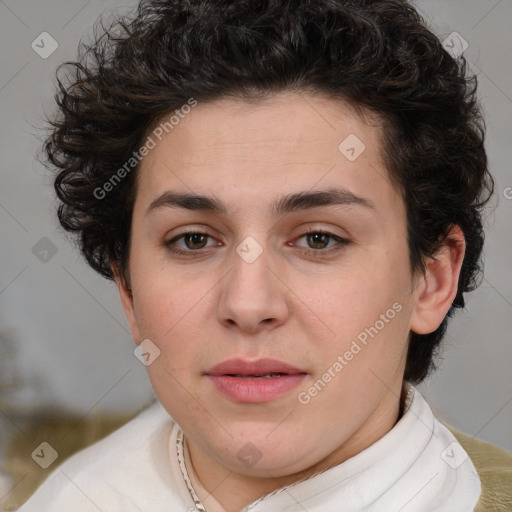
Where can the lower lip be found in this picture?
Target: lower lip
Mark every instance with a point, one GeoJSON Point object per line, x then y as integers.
{"type": "Point", "coordinates": [255, 391]}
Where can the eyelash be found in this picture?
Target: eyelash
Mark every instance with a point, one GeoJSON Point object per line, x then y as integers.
{"type": "Point", "coordinates": [342, 242]}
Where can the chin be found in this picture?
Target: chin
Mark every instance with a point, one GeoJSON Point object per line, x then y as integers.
{"type": "Point", "coordinates": [259, 452]}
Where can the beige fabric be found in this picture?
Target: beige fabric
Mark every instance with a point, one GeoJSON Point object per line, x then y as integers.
{"type": "Point", "coordinates": [494, 466]}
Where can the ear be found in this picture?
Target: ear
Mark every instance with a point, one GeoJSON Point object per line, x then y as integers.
{"type": "Point", "coordinates": [437, 288]}
{"type": "Point", "coordinates": [126, 296]}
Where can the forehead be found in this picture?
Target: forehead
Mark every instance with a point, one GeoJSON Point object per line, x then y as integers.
{"type": "Point", "coordinates": [287, 142]}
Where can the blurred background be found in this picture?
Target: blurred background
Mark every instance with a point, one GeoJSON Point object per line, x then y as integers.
{"type": "Point", "coordinates": [65, 347]}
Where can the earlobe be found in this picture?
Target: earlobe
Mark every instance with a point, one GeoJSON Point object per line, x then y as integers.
{"type": "Point", "coordinates": [126, 296]}
{"type": "Point", "coordinates": [438, 287]}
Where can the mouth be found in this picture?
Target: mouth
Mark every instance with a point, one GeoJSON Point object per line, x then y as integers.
{"type": "Point", "coordinates": [254, 381]}
{"type": "Point", "coordinates": [260, 368]}
{"type": "Point", "coordinates": [265, 376]}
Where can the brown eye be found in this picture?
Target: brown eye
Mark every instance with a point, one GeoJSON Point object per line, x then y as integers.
{"type": "Point", "coordinates": [318, 240]}
{"type": "Point", "coordinates": [189, 242]}
{"type": "Point", "coordinates": [195, 240]}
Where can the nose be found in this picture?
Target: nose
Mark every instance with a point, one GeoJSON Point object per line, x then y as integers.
{"type": "Point", "coordinates": [253, 296]}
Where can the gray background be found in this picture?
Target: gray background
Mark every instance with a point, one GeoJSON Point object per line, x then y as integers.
{"type": "Point", "coordinates": [65, 341]}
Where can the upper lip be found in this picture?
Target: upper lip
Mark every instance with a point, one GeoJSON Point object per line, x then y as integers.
{"type": "Point", "coordinates": [263, 366]}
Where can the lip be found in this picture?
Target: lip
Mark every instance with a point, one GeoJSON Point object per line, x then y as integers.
{"type": "Point", "coordinates": [240, 366]}
{"type": "Point", "coordinates": [231, 379]}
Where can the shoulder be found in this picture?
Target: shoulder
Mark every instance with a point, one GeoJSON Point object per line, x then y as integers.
{"type": "Point", "coordinates": [110, 472]}
{"type": "Point", "coordinates": [494, 466]}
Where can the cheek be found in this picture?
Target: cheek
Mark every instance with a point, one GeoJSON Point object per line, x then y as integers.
{"type": "Point", "coordinates": [349, 302]}
{"type": "Point", "coordinates": [154, 313]}
{"type": "Point", "coordinates": [173, 316]}
{"type": "Point", "coordinates": [162, 299]}
{"type": "Point", "coordinates": [367, 315]}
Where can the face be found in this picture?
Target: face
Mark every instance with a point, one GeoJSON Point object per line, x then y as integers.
{"type": "Point", "coordinates": [297, 253]}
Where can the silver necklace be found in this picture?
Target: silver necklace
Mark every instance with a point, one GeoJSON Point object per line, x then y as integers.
{"type": "Point", "coordinates": [181, 459]}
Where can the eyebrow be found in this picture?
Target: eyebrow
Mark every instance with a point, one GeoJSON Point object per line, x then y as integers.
{"type": "Point", "coordinates": [289, 203]}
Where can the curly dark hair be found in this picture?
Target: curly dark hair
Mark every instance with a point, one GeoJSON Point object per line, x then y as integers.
{"type": "Point", "coordinates": [377, 55]}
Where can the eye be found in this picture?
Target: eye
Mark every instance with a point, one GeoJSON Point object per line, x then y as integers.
{"type": "Point", "coordinates": [192, 240]}
{"type": "Point", "coordinates": [318, 241]}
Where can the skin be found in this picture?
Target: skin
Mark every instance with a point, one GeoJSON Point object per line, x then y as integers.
{"type": "Point", "coordinates": [210, 305]}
